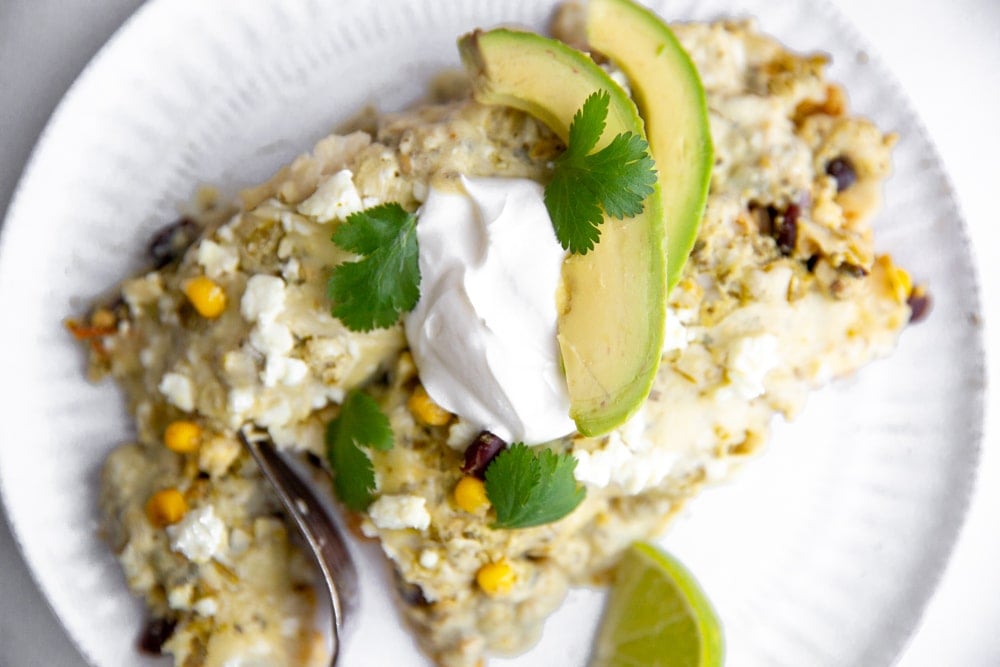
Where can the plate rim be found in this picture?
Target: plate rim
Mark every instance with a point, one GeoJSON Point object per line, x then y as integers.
{"type": "Point", "coordinates": [882, 72]}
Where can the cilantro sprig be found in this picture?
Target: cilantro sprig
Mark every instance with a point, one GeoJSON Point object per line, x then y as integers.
{"type": "Point", "coordinates": [615, 180]}
{"type": "Point", "coordinates": [360, 424]}
{"type": "Point", "coordinates": [529, 488]}
{"type": "Point", "coordinates": [372, 292]}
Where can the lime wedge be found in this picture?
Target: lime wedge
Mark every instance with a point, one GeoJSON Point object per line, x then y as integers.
{"type": "Point", "coordinates": [657, 616]}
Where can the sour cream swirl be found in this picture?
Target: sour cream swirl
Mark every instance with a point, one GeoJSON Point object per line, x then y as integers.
{"type": "Point", "coordinates": [483, 334]}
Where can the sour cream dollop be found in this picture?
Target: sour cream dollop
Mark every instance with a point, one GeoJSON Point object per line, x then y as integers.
{"type": "Point", "coordinates": [483, 334]}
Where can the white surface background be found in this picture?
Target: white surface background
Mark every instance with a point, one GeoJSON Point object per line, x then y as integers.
{"type": "Point", "coordinates": [946, 55]}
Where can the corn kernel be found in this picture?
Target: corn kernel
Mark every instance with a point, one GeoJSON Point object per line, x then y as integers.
{"type": "Point", "coordinates": [166, 507]}
{"type": "Point", "coordinates": [496, 578]}
{"type": "Point", "coordinates": [900, 284]}
{"type": "Point", "coordinates": [470, 494]}
{"type": "Point", "coordinates": [206, 296]}
{"type": "Point", "coordinates": [425, 410]}
{"type": "Point", "coordinates": [182, 437]}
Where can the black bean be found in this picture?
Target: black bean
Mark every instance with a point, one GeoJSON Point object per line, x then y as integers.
{"type": "Point", "coordinates": [786, 228]}
{"type": "Point", "coordinates": [169, 243]}
{"type": "Point", "coordinates": [155, 633]}
{"type": "Point", "coordinates": [920, 305]}
{"type": "Point", "coordinates": [842, 169]}
{"type": "Point", "coordinates": [481, 453]}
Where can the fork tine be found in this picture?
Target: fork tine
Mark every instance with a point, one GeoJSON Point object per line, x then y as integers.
{"type": "Point", "coordinates": [328, 547]}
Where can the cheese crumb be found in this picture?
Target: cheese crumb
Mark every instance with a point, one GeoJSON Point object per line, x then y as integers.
{"type": "Point", "coordinates": [675, 336]}
{"type": "Point", "coordinates": [461, 434]}
{"type": "Point", "coordinates": [429, 558]}
{"type": "Point", "coordinates": [178, 389]}
{"type": "Point", "coordinates": [395, 512]}
{"type": "Point", "coordinates": [285, 370]}
{"type": "Point", "coordinates": [206, 607]}
{"type": "Point", "coordinates": [628, 460]}
{"type": "Point", "coordinates": [217, 260]}
{"type": "Point", "coordinates": [334, 199]}
{"type": "Point", "coordinates": [748, 362]}
{"type": "Point", "coordinates": [200, 535]}
{"type": "Point", "coordinates": [264, 298]}
{"type": "Point", "coordinates": [180, 597]}
{"type": "Point", "coordinates": [270, 338]}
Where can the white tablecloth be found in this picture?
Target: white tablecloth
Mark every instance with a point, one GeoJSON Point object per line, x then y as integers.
{"type": "Point", "coordinates": [946, 54]}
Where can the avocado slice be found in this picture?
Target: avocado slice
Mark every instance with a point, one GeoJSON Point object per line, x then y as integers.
{"type": "Point", "coordinates": [613, 307]}
{"type": "Point", "coordinates": [668, 91]}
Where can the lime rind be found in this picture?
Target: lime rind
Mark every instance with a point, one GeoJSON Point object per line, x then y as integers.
{"type": "Point", "coordinates": [657, 616]}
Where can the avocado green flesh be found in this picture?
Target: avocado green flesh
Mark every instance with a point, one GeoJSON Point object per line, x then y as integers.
{"type": "Point", "coordinates": [612, 309]}
{"type": "Point", "coordinates": [671, 99]}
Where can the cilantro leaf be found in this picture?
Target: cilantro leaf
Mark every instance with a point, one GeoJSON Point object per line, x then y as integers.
{"type": "Point", "coordinates": [360, 424]}
{"type": "Point", "coordinates": [588, 124]}
{"type": "Point", "coordinates": [530, 489]}
{"type": "Point", "coordinates": [614, 181]}
{"type": "Point", "coordinates": [372, 292]}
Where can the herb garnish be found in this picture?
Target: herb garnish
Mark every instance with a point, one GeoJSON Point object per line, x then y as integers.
{"type": "Point", "coordinates": [615, 180]}
{"type": "Point", "coordinates": [529, 488]}
{"type": "Point", "coordinates": [360, 424]}
{"type": "Point", "coordinates": [372, 292]}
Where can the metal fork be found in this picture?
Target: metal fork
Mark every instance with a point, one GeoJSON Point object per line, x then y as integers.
{"type": "Point", "coordinates": [320, 532]}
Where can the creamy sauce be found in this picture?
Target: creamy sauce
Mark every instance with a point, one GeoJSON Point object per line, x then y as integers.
{"type": "Point", "coordinates": [484, 332]}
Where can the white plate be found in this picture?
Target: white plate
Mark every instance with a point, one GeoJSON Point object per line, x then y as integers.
{"type": "Point", "coordinates": [823, 552]}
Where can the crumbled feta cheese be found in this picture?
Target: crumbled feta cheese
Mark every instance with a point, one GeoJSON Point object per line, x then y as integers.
{"type": "Point", "coordinates": [461, 434]}
{"type": "Point", "coordinates": [179, 597]}
{"type": "Point", "coordinates": [292, 269]}
{"type": "Point", "coordinates": [178, 389]}
{"type": "Point", "coordinates": [286, 370]}
{"type": "Point", "coordinates": [274, 412]}
{"type": "Point", "coordinates": [628, 460]}
{"type": "Point", "coordinates": [685, 316]}
{"type": "Point", "coordinates": [293, 223]}
{"type": "Point", "coordinates": [595, 468]}
{"type": "Point", "coordinates": [334, 199]}
{"type": "Point", "coordinates": [206, 607]}
{"type": "Point", "coordinates": [263, 299]}
{"type": "Point", "coordinates": [241, 400]}
{"type": "Point", "coordinates": [748, 362]}
{"type": "Point", "coordinates": [675, 336]}
{"type": "Point", "coordinates": [217, 260]}
{"type": "Point", "coordinates": [270, 338]}
{"type": "Point", "coordinates": [200, 535]}
{"type": "Point", "coordinates": [394, 512]}
{"type": "Point", "coordinates": [429, 558]}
